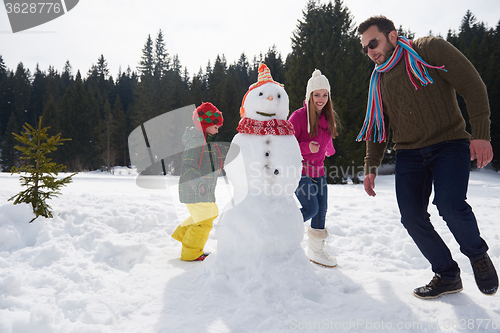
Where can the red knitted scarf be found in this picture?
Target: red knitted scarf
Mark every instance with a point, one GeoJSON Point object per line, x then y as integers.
{"type": "Point", "coordinates": [265, 127]}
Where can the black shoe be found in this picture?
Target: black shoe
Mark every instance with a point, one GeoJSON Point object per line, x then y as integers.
{"type": "Point", "coordinates": [439, 286]}
{"type": "Point", "coordinates": [202, 257]}
{"type": "Point", "coordinates": [485, 275]}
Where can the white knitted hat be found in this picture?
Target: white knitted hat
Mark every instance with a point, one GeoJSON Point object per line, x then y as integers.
{"type": "Point", "coordinates": [316, 82]}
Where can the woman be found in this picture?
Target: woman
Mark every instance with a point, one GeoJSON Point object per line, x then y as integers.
{"type": "Point", "coordinates": [315, 125]}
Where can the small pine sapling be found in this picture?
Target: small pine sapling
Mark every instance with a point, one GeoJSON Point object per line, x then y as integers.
{"type": "Point", "coordinates": [39, 171]}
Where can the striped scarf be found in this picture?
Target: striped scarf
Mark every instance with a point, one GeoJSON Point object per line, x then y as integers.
{"type": "Point", "coordinates": [374, 127]}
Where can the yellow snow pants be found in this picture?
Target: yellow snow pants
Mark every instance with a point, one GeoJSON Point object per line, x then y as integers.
{"type": "Point", "coordinates": [193, 232]}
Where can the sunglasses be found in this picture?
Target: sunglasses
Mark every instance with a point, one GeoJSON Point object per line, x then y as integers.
{"type": "Point", "coordinates": [372, 44]}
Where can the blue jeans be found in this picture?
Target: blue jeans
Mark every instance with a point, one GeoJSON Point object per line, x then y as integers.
{"type": "Point", "coordinates": [313, 196]}
{"type": "Point", "coordinates": [446, 166]}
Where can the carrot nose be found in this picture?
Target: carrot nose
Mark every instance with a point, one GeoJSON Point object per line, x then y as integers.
{"type": "Point", "coordinates": [270, 98]}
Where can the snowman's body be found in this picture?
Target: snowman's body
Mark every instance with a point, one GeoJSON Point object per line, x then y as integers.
{"type": "Point", "coordinates": [271, 165]}
{"type": "Point", "coordinates": [264, 217]}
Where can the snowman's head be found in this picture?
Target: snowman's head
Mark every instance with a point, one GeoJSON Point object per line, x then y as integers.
{"type": "Point", "coordinates": [266, 102]}
{"type": "Point", "coordinates": [266, 99]}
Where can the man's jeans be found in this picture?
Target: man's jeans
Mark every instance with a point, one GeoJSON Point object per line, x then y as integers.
{"type": "Point", "coordinates": [313, 196]}
{"type": "Point", "coordinates": [446, 165]}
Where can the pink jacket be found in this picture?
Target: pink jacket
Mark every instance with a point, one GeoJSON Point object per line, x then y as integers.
{"type": "Point", "coordinates": [313, 163]}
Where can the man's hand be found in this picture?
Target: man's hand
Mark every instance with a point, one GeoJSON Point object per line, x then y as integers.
{"type": "Point", "coordinates": [369, 183]}
{"type": "Point", "coordinates": [482, 151]}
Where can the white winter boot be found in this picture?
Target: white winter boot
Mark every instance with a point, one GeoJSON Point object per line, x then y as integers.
{"type": "Point", "coordinates": [316, 250]}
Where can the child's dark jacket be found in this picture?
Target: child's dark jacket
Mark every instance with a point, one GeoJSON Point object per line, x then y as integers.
{"type": "Point", "coordinates": [201, 164]}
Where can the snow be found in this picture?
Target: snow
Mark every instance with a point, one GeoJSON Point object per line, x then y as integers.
{"type": "Point", "coordinates": [106, 263]}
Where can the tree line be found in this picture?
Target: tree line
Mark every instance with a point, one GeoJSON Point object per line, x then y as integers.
{"type": "Point", "coordinates": [98, 112]}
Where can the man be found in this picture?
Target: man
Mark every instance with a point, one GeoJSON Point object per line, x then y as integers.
{"type": "Point", "coordinates": [412, 91]}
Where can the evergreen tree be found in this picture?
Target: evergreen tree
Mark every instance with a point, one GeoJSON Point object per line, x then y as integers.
{"type": "Point", "coordinates": [185, 79]}
{"type": "Point", "coordinates": [243, 70]}
{"type": "Point", "coordinates": [38, 96]}
{"type": "Point", "coordinates": [275, 64]}
{"type": "Point", "coordinates": [107, 144]}
{"type": "Point", "coordinates": [102, 68]}
{"type": "Point", "coordinates": [55, 85]}
{"type": "Point", "coordinates": [9, 157]}
{"type": "Point", "coordinates": [125, 89]}
{"type": "Point", "coordinates": [21, 92]}
{"type": "Point", "coordinates": [216, 81]}
{"type": "Point", "coordinates": [100, 81]}
{"type": "Point", "coordinates": [171, 89]}
{"type": "Point", "coordinates": [176, 64]}
{"type": "Point", "coordinates": [146, 65]}
{"type": "Point", "coordinates": [208, 71]}
{"type": "Point", "coordinates": [3, 69]}
{"type": "Point", "coordinates": [4, 98]}
{"type": "Point", "coordinates": [230, 97]}
{"type": "Point", "coordinates": [145, 105]}
{"type": "Point", "coordinates": [161, 60]}
{"type": "Point", "coordinates": [89, 138]}
{"type": "Point", "coordinates": [148, 100]}
{"type": "Point", "coordinates": [174, 89]}
{"type": "Point", "coordinates": [126, 83]}
{"type": "Point", "coordinates": [39, 172]}
{"type": "Point", "coordinates": [51, 114]}
{"type": "Point", "coordinates": [195, 94]}
{"type": "Point", "coordinates": [120, 133]}
{"type": "Point", "coordinates": [67, 74]}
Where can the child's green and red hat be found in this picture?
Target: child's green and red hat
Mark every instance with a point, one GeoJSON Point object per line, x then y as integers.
{"type": "Point", "coordinates": [207, 115]}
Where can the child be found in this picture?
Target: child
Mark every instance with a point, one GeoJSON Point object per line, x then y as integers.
{"type": "Point", "coordinates": [315, 125]}
{"type": "Point", "coordinates": [201, 163]}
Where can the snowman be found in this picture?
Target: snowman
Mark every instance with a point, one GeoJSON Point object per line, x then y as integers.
{"type": "Point", "coordinates": [263, 220]}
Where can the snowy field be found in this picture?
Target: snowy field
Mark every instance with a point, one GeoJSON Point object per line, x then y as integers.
{"type": "Point", "coordinates": [106, 263]}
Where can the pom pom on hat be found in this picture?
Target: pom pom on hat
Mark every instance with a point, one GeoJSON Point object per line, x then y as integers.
{"type": "Point", "coordinates": [316, 82]}
{"type": "Point", "coordinates": [207, 115]}
{"type": "Point", "coordinates": [263, 78]}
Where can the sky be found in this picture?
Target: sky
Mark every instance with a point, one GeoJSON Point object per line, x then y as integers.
{"type": "Point", "coordinates": [198, 31]}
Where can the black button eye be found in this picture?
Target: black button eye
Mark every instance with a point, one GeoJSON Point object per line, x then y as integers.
{"type": "Point", "coordinates": [279, 96]}
{"type": "Point", "coordinates": [260, 94]}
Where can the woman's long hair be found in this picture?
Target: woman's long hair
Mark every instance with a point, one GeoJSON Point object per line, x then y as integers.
{"type": "Point", "coordinates": [330, 114]}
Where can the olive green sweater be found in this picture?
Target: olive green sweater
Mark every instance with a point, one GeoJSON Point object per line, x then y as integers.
{"type": "Point", "coordinates": [430, 115]}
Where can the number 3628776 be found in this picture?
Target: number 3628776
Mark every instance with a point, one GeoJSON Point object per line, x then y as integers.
{"type": "Point", "coordinates": [33, 7]}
